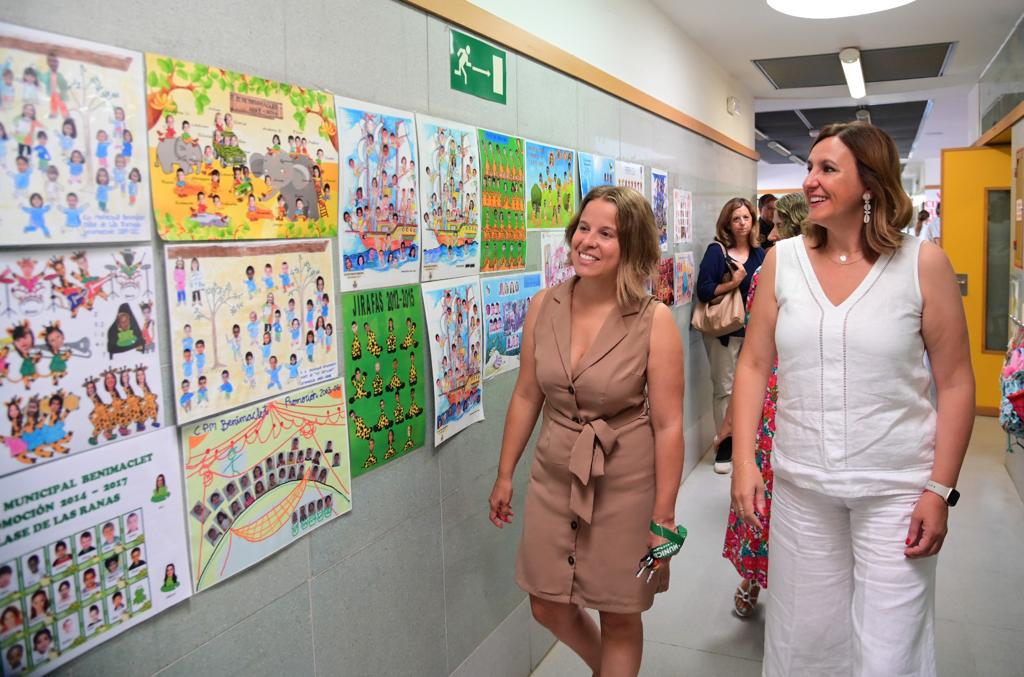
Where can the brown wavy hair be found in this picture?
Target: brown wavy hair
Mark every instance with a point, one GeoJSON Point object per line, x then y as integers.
{"type": "Point", "coordinates": [637, 235]}
{"type": "Point", "coordinates": [878, 166]}
{"type": "Point", "coordinates": [724, 234]}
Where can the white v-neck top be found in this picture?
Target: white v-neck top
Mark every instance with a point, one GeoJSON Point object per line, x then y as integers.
{"type": "Point", "coordinates": [854, 415]}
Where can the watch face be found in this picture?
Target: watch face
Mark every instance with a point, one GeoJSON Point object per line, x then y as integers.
{"type": "Point", "coordinates": [953, 497]}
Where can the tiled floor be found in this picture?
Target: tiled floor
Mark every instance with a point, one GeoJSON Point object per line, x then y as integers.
{"type": "Point", "coordinates": [980, 598]}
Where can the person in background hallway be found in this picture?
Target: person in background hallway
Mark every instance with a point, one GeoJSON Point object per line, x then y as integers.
{"type": "Point", "coordinates": [765, 219]}
{"type": "Point", "coordinates": [610, 450]}
{"type": "Point", "coordinates": [747, 550]}
{"type": "Point", "coordinates": [923, 229]}
{"type": "Point", "coordinates": [735, 250]}
{"type": "Point", "coordinates": [865, 467]}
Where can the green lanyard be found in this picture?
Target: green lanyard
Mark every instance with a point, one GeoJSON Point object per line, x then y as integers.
{"type": "Point", "coordinates": [675, 540]}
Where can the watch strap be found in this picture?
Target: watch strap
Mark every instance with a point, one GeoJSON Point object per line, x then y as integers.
{"type": "Point", "coordinates": [940, 489]}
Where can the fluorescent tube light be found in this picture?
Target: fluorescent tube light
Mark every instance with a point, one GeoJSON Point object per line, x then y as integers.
{"type": "Point", "coordinates": [779, 148]}
{"type": "Point", "coordinates": [850, 59]}
{"type": "Point", "coordinates": [795, 159]}
{"type": "Point", "coordinates": [833, 9]}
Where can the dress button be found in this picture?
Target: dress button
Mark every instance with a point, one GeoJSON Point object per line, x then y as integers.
{"type": "Point", "coordinates": [572, 560]}
{"type": "Point", "coordinates": [574, 525]}
{"type": "Point", "coordinates": [572, 391]}
{"type": "Point", "coordinates": [575, 419]}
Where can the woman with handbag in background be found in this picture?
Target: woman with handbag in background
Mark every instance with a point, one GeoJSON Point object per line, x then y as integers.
{"type": "Point", "coordinates": [722, 285]}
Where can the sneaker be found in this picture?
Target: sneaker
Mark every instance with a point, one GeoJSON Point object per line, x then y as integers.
{"type": "Point", "coordinates": [723, 456]}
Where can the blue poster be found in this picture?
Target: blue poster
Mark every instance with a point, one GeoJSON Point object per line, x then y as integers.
{"type": "Point", "coordinates": [595, 170]}
{"type": "Point", "coordinates": [505, 301]}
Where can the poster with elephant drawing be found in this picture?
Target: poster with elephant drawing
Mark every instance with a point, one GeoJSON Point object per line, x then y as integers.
{"type": "Point", "coordinates": [79, 359]}
{"type": "Point", "coordinates": [379, 232]}
{"type": "Point", "coordinates": [248, 320]}
{"type": "Point", "coordinates": [72, 140]}
{"type": "Point", "coordinates": [239, 157]}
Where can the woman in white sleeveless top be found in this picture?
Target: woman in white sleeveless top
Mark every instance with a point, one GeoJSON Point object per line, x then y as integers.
{"type": "Point", "coordinates": [863, 462]}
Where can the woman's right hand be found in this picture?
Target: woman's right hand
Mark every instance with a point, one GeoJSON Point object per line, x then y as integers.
{"type": "Point", "coordinates": [748, 493]}
{"type": "Point", "coordinates": [738, 273]}
{"type": "Point", "coordinates": [501, 502]}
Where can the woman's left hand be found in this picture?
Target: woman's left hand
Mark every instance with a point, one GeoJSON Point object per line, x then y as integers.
{"type": "Point", "coordinates": [653, 540]}
{"type": "Point", "coordinates": [927, 526]}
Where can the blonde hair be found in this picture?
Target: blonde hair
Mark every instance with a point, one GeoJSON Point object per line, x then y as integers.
{"type": "Point", "coordinates": [792, 209]}
{"type": "Point", "coordinates": [637, 236]}
{"type": "Point", "coordinates": [878, 166]}
{"type": "Point", "coordinates": [724, 234]}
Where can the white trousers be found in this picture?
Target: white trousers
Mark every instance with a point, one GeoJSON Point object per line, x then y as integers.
{"type": "Point", "coordinates": [723, 370]}
{"type": "Point", "coordinates": [842, 597]}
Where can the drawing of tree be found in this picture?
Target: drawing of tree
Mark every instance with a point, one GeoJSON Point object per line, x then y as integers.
{"type": "Point", "coordinates": [311, 102]}
{"type": "Point", "coordinates": [215, 297]}
{"type": "Point", "coordinates": [304, 275]}
{"type": "Point", "coordinates": [86, 94]}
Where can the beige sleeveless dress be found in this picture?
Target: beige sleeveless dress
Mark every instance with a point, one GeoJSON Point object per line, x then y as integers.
{"type": "Point", "coordinates": [591, 489]}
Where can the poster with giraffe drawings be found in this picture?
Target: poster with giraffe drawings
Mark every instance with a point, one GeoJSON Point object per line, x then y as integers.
{"type": "Point", "coordinates": [79, 359]}
{"type": "Point", "coordinates": [72, 140]}
{"type": "Point", "coordinates": [248, 320]}
{"type": "Point", "coordinates": [261, 477]}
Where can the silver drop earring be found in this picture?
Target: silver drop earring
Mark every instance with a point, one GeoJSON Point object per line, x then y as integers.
{"type": "Point", "coordinates": [867, 207]}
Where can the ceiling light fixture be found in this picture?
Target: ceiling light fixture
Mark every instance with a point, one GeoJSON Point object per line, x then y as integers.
{"type": "Point", "coordinates": [850, 60]}
{"type": "Point", "coordinates": [779, 148]}
{"type": "Point", "coordinates": [863, 114]}
{"type": "Point", "coordinates": [833, 9]}
{"type": "Point", "coordinates": [795, 159]}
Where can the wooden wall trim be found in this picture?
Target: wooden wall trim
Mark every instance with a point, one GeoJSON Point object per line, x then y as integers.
{"type": "Point", "coordinates": [471, 17]}
{"type": "Point", "coordinates": [999, 133]}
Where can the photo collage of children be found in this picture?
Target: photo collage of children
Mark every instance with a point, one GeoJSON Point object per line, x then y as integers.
{"type": "Point", "coordinates": [61, 596]}
{"type": "Point", "coordinates": [72, 168]}
{"type": "Point", "coordinates": [506, 300]}
{"type": "Point", "coordinates": [595, 170]}
{"type": "Point", "coordinates": [502, 201]}
{"type": "Point", "coordinates": [248, 320]}
{"type": "Point", "coordinates": [239, 157]}
{"type": "Point", "coordinates": [379, 205]}
{"type": "Point", "coordinates": [383, 360]}
{"type": "Point", "coordinates": [454, 324]}
{"type": "Point", "coordinates": [659, 203]}
{"type": "Point", "coordinates": [449, 183]}
{"type": "Point", "coordinates": [78, 354]}
{"type": "Point", "coordinates": [551, 177]}
{"type": "Point", "coordinates": [664, 281]}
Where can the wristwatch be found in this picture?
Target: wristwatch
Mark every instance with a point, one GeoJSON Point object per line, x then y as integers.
{"type": "Point", "coordinates": [948, 494]}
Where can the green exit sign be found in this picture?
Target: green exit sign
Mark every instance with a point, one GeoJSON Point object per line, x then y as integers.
{"type": "Point", "coordinates": [477, 67]}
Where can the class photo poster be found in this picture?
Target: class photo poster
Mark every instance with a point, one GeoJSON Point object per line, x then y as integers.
{"type": "Point", "coordinates": [383, 348]}
{"type": "Point", "coordinates": [685, 277]}
{"type": "Point", "coordinates": [502, 201]}
{"type": "Point", "coordinates": [682, 222]}
{"type": "Point", "coordinates": [91, 547]}
{"type": "Point", "coordinates": [659, 203]}
{"type": "Point", "coordinates": [248, 320]}
{"type": "Point", "coordinates": [72, 140]}
{"type": "Point", "coordinates": [260, 477]}
{"type": "Point", "coordinates": [79, 359]}
{"type": "Point", "coordinates": [450, 198]}
{"type": "Point", "coordinates": [234, 156]}
{"type": "Point", "coordinates": [550, 185]}
{"type": "Point", "coordinates": [555, 258]}
{"type": "Point", "coordinates": [453, 314]}
{"type": "Point", "coordinates": [380, 216]}
{"type": "Point", "coordinates": [506, 299]}
{"type": "Point", "coordinates": [664, 288]}
{"type": "Point", "coordinates": [630, 175]}
{"type": "Point", "coordinates": [595, 170]}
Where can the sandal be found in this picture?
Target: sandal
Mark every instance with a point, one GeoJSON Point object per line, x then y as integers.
{"type": "Point", "coordinates": [744, 601]}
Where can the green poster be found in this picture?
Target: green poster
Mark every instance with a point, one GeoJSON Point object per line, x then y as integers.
{"type": "Point", "coordinates": [383, 363]}
{"type": "Point", "coordinates": [501, 196]}
{"type": "Point", "coordinates": [476, 67]}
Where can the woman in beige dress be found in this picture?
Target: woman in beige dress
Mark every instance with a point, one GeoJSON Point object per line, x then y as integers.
{"type": "Point", "coordinates": [610, 451]}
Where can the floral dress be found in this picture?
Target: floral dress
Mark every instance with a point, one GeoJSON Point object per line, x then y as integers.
{"type": "Point", "coordinates": [749, 552]}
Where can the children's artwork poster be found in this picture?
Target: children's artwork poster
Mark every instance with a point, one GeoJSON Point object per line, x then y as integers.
{"type": "Point", "coordinates": [630, 175]}
{"type": "Point", "coordinates": [453, 310]}
{"type": "Point", "coordinates": [595, 170]}
{"type": "Point", "coordinates": [551, 182]}
{"type": "Point", "coordinates": [682, 222]}
{"type": "Point", "coordinates": [261, 477]}
{"type": "Point", "coordinates": [450, 187]}
{"type": "Point", "coordinates": [379, 230]}
{"type": "Point", "coordinates": [664, 287]}
{"type": "Point", "coordinates": [384, 350]}
{"type": "Point", "coordinates": [78, 354]}
{"type": "Point", "coordinates": [555, 255]}
{"type": "Point", "coordinates": [505, 301]}
{"type": "Point", "coordinates": [659, 203]}
{"type": "Point", "coordinates": [248, 320]}
{"type": "Point", "coordinates": [91, 547]}
{"type": "Point", "coordinates": [502, 201]}
{"type": "Point", "coordinates": [685, 277]}
{"type": "Point", "coordinates": [72, 140]}
{"type": "Point", "coordinates": [239, 157]}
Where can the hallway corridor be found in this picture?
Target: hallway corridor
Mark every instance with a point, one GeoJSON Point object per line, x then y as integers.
{"type": "Point", "coordinates": [980, 599]}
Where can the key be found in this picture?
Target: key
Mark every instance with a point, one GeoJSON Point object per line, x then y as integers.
{"type": "Point", "coordinates": [651, 575]}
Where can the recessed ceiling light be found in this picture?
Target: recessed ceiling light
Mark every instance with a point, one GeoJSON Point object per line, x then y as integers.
{"type": "Point", "coordinates": [833, 9]}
